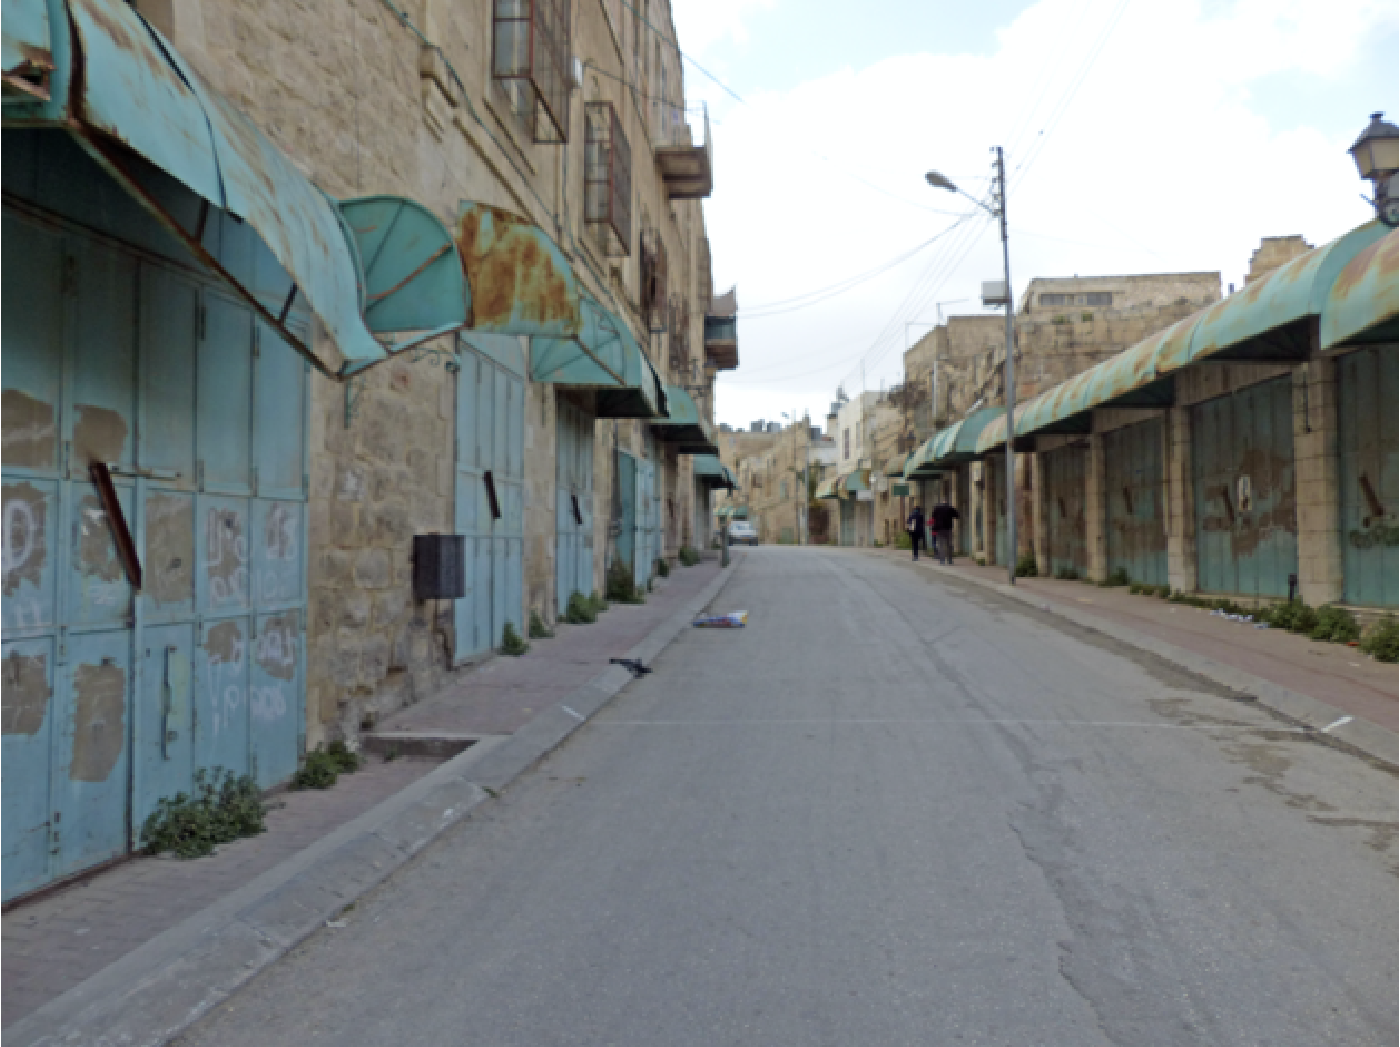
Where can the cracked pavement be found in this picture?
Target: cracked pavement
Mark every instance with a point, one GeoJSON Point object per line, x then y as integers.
{"type": "Point", "coordinates": [892, 810]}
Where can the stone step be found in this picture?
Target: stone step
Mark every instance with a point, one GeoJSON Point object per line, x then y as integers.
{"type": "Point", "coordinates": [443, 744]}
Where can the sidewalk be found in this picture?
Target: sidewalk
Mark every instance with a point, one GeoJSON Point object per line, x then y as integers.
{"type": "Point", "coordinates": [1334, 674]}
{"type": "Point", "coordinates": [59, 941]}
{"type": "Point", "coordinates": [506, 693]}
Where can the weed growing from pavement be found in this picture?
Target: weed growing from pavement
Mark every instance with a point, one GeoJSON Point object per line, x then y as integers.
{"type": "Point", "coordinates": [580, 610]}
{"type": "Point", "coordinates": [322, 767]}
{"type": "Point", "coordinates": [1382, 639]}
{"type": "Point", "coordinates": [538, 630]}
{"type": "Point", "coordinates": [688, 556]}
{"type": "Point", "coordinates": [663, 568]}
{"type": "Point", "coordinates": [621, 587]}
{"type": "Point", "coordinates": [220, 810]}
{"type": "Point", "coordinates": [511, 641]}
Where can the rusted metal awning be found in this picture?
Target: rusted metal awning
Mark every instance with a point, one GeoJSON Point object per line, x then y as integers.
{"type": "Point", "coordinates": [1361, 304]}
{"type": "Point", "coordinates": [411, 270]}
{"type": "Point", "coordinates": [1271, 319]}
{"type": "Point", "coordinates": [27, 50]}
{"type": "Point", "coordinates": [602, 356]}
{"type": "Point", "coordinates": [830, 488]}
{"type": "Point", "coordinates": [951, 446]}
{"type": "Point", "coordinates": [854, 482]}
{"type": "Point", "coordinates": [521, 283]}
{"type": "Point", "coordinates": [125, 90]}
{"type": "Point", "coordinates": [683, 424]}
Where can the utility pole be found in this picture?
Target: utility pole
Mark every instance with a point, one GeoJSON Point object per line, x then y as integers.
{"type": "Point", "coordinates": [1010, 378]}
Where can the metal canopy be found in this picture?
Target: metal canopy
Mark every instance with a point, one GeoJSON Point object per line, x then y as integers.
{"type": "Point", "coordinates": [854, 482]}
{"type": "Point", "coordinates": [602, 356]}
{"type": "Point", "coordinates": [1271, 319]}
{"type": "Point", "coordinates": [951, 446]}
{"type": "Point", "coordinates": [413, 275]}
{"type": "Point", "coordinates": [521, 283]}
{"type": "Point", "coordinates": [1361, 303]}
{"type": "Point", "coordinates": [829, 488]}
{"type": "Point", "coordinates": [712, 472]}
{"type": "Point", "coordinates": [683, 424]}
{"type": "Point", "coordinates": [139, 96]}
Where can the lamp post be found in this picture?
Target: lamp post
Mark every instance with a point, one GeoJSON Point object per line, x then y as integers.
{"type": "Point", "coordinates": [1377, 156]}
{"type": "Point", "coordinates": [998, 212]}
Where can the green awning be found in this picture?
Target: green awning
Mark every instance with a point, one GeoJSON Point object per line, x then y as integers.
{"type": "Point", "coordinates": [602, 356]}
{"type": "Point", "coordinates": [828, 488]}
{"type": "Point", "coordinates": [136, 94]}
{"type": "Point", "coordinates": [684, 425]}
{"type": "Point", "coordinates": [737, 512]}
{"type": "Point", "coordinates": [1271, 319]}
{"type": "Point", "coordinates": [854, 482]}
{"type": "Point", "coordinates": [951, 446]}
{"type": "Point", "coordinates": [711, 472]}
{"type": "Point", "coordinates": [413, 275]}
{"type": "Point", "coordinates": [1361, 305]}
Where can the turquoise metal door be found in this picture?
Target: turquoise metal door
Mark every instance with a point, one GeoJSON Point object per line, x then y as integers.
{"type": "Point", "coordinates": [113, 699]}
{"type": "Point", "coordinates": [848, 521]}
{"type": "Point", "coordinates": [642, 516]}
{"type": "Point", "coordinates": [627, 508]}
{"type": "Point", "coordinates": [1368, 410]}
{"type": "Point", "coordinates": [573, 563]}
{"type": "Point", "coordinates": [1137, 532]}
{"type": "Point", "coordinates": [1242, 466]}
{"type": "Point", "coordinates": [1063, 472]}
{"type": "Point", "coordinates": [490, 496]}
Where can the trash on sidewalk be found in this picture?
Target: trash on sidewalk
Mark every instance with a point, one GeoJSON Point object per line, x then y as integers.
{"type": "Point", "coordinates": [732, 620]}
{"type": "Point", "coordinates": [633, 665]}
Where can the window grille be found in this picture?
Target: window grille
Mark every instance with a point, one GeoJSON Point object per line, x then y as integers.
{"type": "Point", "coordinates": [530, 55]}
{"type": "Point", "coordinates": [607, 177]}
{"type": "Point", "coordinates": [1095, 298]}
{"type": "Point", "coordinates": [653, 274]}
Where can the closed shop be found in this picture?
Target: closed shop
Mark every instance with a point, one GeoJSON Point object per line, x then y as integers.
{"type": "Point", "coordinates": [573, 555]}
{"type": "Point", "coordinates": [120, 350]}
{"type": "Point", "coordinates": [1242, 471]}
{"type": "Point", "coordinates": [848, 521]}
{"type": "Point", "coordinates": [1367, 409]}
{"type": "Point", "coordinates": [490, 495]}
{"type": "Point", "coordinates": [1063, 472]}
{"type": "Point", "coordinates": [1137, 531]}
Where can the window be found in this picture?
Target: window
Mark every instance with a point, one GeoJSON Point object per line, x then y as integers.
{"type": "Point", "coordinates": [782, 490]}
{"type": "Point", "coordinates": [845, 443]}
{"type": "Point", "coordinates": [530, 59]}
{"type": "Point", "coordinates": [653, 275]}
{"type": "Point", "coordinates": [1094, 298]}
{"type": "Point", "coordinates": [607, 177]}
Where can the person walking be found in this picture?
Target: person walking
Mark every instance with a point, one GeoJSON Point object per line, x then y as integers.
{"type": "Point", "coordinates": [941, 518]}
{"type": "Point", "coordinates": [915, 526]}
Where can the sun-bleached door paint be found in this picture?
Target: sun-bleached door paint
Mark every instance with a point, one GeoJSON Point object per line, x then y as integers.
{"type": "Point", "coordinates": [573, 564]}
{"type": "Point", "coordinates": [1063, 472]}
{"type": "Point", "coordinates": [1242, 465]}
{"type": "Point", "coordinates": [1368, 408]}
{"type": "Point", "coordinates": [114, 698]}
{"type": "Point", "coordinates": [1137, 529]}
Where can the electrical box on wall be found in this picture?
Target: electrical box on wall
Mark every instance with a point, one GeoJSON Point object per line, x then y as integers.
{"type": "Point", "coordinates": [439, 567]}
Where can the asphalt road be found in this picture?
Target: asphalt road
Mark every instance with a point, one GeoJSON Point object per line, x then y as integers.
{"type": "Point", "coordinates": [890, 811]}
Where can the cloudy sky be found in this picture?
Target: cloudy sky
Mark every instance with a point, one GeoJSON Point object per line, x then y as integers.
{"type": "Point", "coordinates": [1141, 136]}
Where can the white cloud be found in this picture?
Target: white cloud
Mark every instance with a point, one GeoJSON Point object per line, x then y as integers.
{"type": "Point", "coordinates": [702, 23]}
{"type": "Point", "coordinates": [1159, 163]}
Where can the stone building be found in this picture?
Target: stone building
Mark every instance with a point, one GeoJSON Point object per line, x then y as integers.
{"type": "Point", "coordinates": [426, 267]}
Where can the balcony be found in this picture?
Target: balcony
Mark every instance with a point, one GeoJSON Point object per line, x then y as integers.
{"type": "Point", "coordinates": [685, 167]}
{"type": "Point", "coordinates": [722, 342]}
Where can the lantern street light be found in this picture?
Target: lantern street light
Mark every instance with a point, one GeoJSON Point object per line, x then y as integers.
{"type": "Point", "coordinates": [998, 212]}
{"type": "Point", "coordinates": [1377, 156]}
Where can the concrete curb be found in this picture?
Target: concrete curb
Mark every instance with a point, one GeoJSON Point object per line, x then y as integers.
{"type": "Point", "coordinates": [162, 988]}
{"type": "Point", "coordinates": [1372, 739]}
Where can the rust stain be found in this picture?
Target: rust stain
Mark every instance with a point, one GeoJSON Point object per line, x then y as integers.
{"type": "Point", "coordinates": [508, 269]}
{"type": "Point", "coordinates": [99, 731]}
{"type": "Point", "coordinates": [98, 435]}
{"type": "Point", "coordinates": [24, 700]}
{"type": "Point", "coordinates": [28, 436]}
{"type": "Point", "coordinates": [25, 537]}
{"type": "Point", "coordinates": [276, 647]}
{"type": "Point", "coordinates": [169, 555]}
{"type": "Point", "coordinates": [225, 643]}
{"type": "Point", "coordinates": [97, 552]}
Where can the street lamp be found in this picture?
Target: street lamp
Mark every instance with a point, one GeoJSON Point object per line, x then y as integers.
{"type": "Point", "coordinates": [998, 212]}
{"type": "Point", "coordinates": [1377, 156]}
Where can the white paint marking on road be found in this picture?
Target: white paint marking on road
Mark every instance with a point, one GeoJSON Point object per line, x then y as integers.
{"type": "Point", "coordinates": [940, 723]}
{"type": "Point", "coordinates": [575, 715]}
{"type": "Point", "coordinates": [1337, 723]}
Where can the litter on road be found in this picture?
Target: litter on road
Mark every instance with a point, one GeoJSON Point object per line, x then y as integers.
{"type": "Point", "coordinates": [732, 620]}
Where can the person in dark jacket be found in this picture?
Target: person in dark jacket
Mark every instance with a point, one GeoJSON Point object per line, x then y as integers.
{"type": "Point", "coordinates": [940, 519]}
{"type": "Point", "coordinates": [915, 526]}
